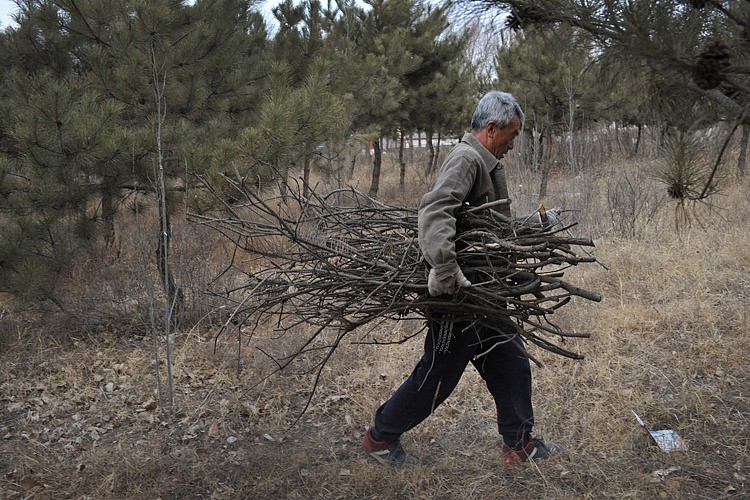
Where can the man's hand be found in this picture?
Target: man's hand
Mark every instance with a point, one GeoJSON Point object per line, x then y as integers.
{"type": "Point", "coordinates": [443, 280]}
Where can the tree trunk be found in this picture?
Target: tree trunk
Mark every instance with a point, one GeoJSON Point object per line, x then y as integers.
{"type": "Point", "coordinates": [546, 166]}
{"type": "Point", "coordinates": [431, 149]}
{"type": "Point", "coordinates": [376, 163]}
{"type": "Point", "coordinates": [173, 292]}
{"type": "Point", "coordinates": [306, 177]}
{"type": "Point", "coordinates": [572, 162]}
{"type": "Point", "coordinates": [620, 146]}
{"type": "Point", "coordinates": [543, 184]}
{"type": "Point", "coordinates": [638, 140]}
{"type": "Point", "coordinates": [743, 151]}
{"type": "Point", "coordinates": [284, 179]}
{"type": "Point", "coordinates": [339, 168]}
{"type": "Point", "coordinates": [401, 162]}
{"type": "Point", "coordinates": [437, 153]}
{"type": "Point", "coordinates": [541, 155]}
{"type": "Point", "coordinates": [108, 219]}
{"type": "Point", "coordinates": [536, 148]}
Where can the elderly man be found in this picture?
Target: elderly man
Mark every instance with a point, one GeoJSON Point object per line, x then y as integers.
{"type": "Point", "coordinates": [472, 173]}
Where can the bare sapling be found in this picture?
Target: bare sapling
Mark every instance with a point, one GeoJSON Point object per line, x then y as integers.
{"type": "Point", "coordinates": [159, 78]}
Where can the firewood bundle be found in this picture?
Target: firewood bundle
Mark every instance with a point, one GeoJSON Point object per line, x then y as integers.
{"type": "Point", "coordinates": [342, 261]}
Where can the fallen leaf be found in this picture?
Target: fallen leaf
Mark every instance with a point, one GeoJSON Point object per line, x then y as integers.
{"type": "Point", "coordinates": [213, 431]}
{"type": "Point", "coordinates": [337, 397]}
{"type": "Point", "coordinates": [660, 474]}
{"type": "Point", "coordinates": [29, 483]}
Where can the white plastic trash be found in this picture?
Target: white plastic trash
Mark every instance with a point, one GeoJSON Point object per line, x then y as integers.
{"type": "Point", "coordinates": [667, 439]}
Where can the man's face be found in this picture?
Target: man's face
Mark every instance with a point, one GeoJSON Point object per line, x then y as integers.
{"type": "Point", "coordinates": [500, 140]}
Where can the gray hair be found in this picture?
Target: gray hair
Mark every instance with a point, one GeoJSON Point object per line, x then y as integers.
{"type": "Point", "coordinates": [498, 107]}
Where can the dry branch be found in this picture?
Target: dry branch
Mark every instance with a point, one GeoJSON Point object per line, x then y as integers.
{"type": "Point", "coordinates": [341, 261]}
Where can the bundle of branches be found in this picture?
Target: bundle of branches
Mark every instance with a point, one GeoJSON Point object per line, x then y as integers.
{"type": "Point", "coordinates": [344, 260]}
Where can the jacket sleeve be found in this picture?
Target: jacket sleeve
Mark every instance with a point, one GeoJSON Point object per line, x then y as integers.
{"type": "Point", "coordinates": [437, 210]}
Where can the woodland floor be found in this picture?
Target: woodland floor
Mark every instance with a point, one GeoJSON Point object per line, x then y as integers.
{"type": "Point", "coordinates": [80, 420]}
{"type": "Point", "coordinates": [80, 416]}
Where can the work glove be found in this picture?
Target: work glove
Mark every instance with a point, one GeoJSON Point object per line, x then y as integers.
{"type": "Point", "coordinates": [444, 279]}
{"type": "Point", "coordinates": [548, 217]}
{"type": "Point", "coordinates": [553, 216]}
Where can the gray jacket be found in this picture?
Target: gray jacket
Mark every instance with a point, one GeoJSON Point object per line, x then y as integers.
{"type": "Point", "coordinates": [470, 174]}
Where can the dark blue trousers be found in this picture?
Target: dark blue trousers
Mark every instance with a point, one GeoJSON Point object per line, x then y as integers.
{"type": "Point", "coordinates": [505, 370]}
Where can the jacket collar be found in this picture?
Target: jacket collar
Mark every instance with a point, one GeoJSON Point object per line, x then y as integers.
{"type": "Point", "coordinates": [489, 160]}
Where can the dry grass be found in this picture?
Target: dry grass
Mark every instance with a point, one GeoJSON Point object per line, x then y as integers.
{"type": "Point", "coordinates": [670, 342]}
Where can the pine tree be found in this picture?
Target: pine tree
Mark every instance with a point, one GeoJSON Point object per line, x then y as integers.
{"type": "Point", "coordinates": [81, 127]}
{"type": "Point", "coordinates": [441, 87]}
{"type": "Point", "coordinates": [549, 69]}
{"type": "Point", "coordinates": [395, 45]}
{"type": "Point", "coordinates": [301, 109]}
{"type": "Point", "coordinates": [699, 47]}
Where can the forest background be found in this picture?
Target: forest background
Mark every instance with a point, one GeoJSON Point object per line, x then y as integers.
{"type": "Point", "coordinates": [124, 124]}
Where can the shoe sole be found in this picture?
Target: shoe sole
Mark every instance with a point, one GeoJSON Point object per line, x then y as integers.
{"type": "Point", "coordinates": [377, 455]}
